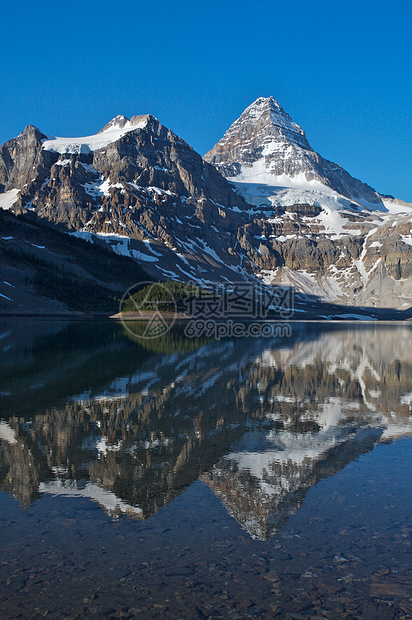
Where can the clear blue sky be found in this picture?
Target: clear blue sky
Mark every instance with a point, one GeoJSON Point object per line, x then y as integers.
{"type": "Point", "coordinates": [342, 70]}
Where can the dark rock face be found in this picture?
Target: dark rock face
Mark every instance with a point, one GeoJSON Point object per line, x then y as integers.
{"type": "Point", "coordinates": [22, 159]}
{"type": "Point", "coordinates": [303, 209]}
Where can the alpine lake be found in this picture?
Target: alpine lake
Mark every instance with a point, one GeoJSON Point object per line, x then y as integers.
{"type": "Point", "coordinates": [194, 478]}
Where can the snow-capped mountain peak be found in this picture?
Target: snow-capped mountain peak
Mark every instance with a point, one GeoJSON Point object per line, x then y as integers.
{"type": "Point", "coordinates": [121, 121]}
{"type": "Point", "coordinates": [117, 121]}
{"type": "Point", "coordinates": [265, 146]}
{"type": "Point", "coordinates": [267, 113]}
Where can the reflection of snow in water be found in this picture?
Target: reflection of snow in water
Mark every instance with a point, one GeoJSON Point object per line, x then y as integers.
{"type": "Point", "coordinates": [311, 397]}
{"type": "Point", "coordinates": [7, 433]}
{"type": "Point", "coordinates": [106, 499]}
{"type": "Point", "coordinates": [288, 447]}
{"type": "Point", "coordinates": [262, 488]}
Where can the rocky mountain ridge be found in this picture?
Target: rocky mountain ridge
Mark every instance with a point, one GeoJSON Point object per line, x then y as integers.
{"type": "Point", "coordinates": [135, 185]}
{"type": "Point", "coordinates": [284, 216]}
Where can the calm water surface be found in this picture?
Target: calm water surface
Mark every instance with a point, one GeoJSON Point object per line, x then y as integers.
{"type": "Point", "coordinates": [196, 479]}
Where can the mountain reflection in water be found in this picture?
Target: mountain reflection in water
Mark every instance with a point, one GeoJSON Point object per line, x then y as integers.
{"type": "Point", "coordinates": [88, 411]}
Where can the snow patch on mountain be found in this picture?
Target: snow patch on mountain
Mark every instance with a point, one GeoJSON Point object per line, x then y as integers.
{"type": "Point", "coordinates": [7, 199]}
{"type": "Point", "coordinates": [87, 144]}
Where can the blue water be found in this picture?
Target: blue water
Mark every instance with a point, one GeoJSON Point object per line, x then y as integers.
{"type": "Point", "coordinates": [231, 479]}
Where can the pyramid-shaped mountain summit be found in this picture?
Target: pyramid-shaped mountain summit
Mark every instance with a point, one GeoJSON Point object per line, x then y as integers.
{"type": "Point", "coordinates": [264, 145]}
